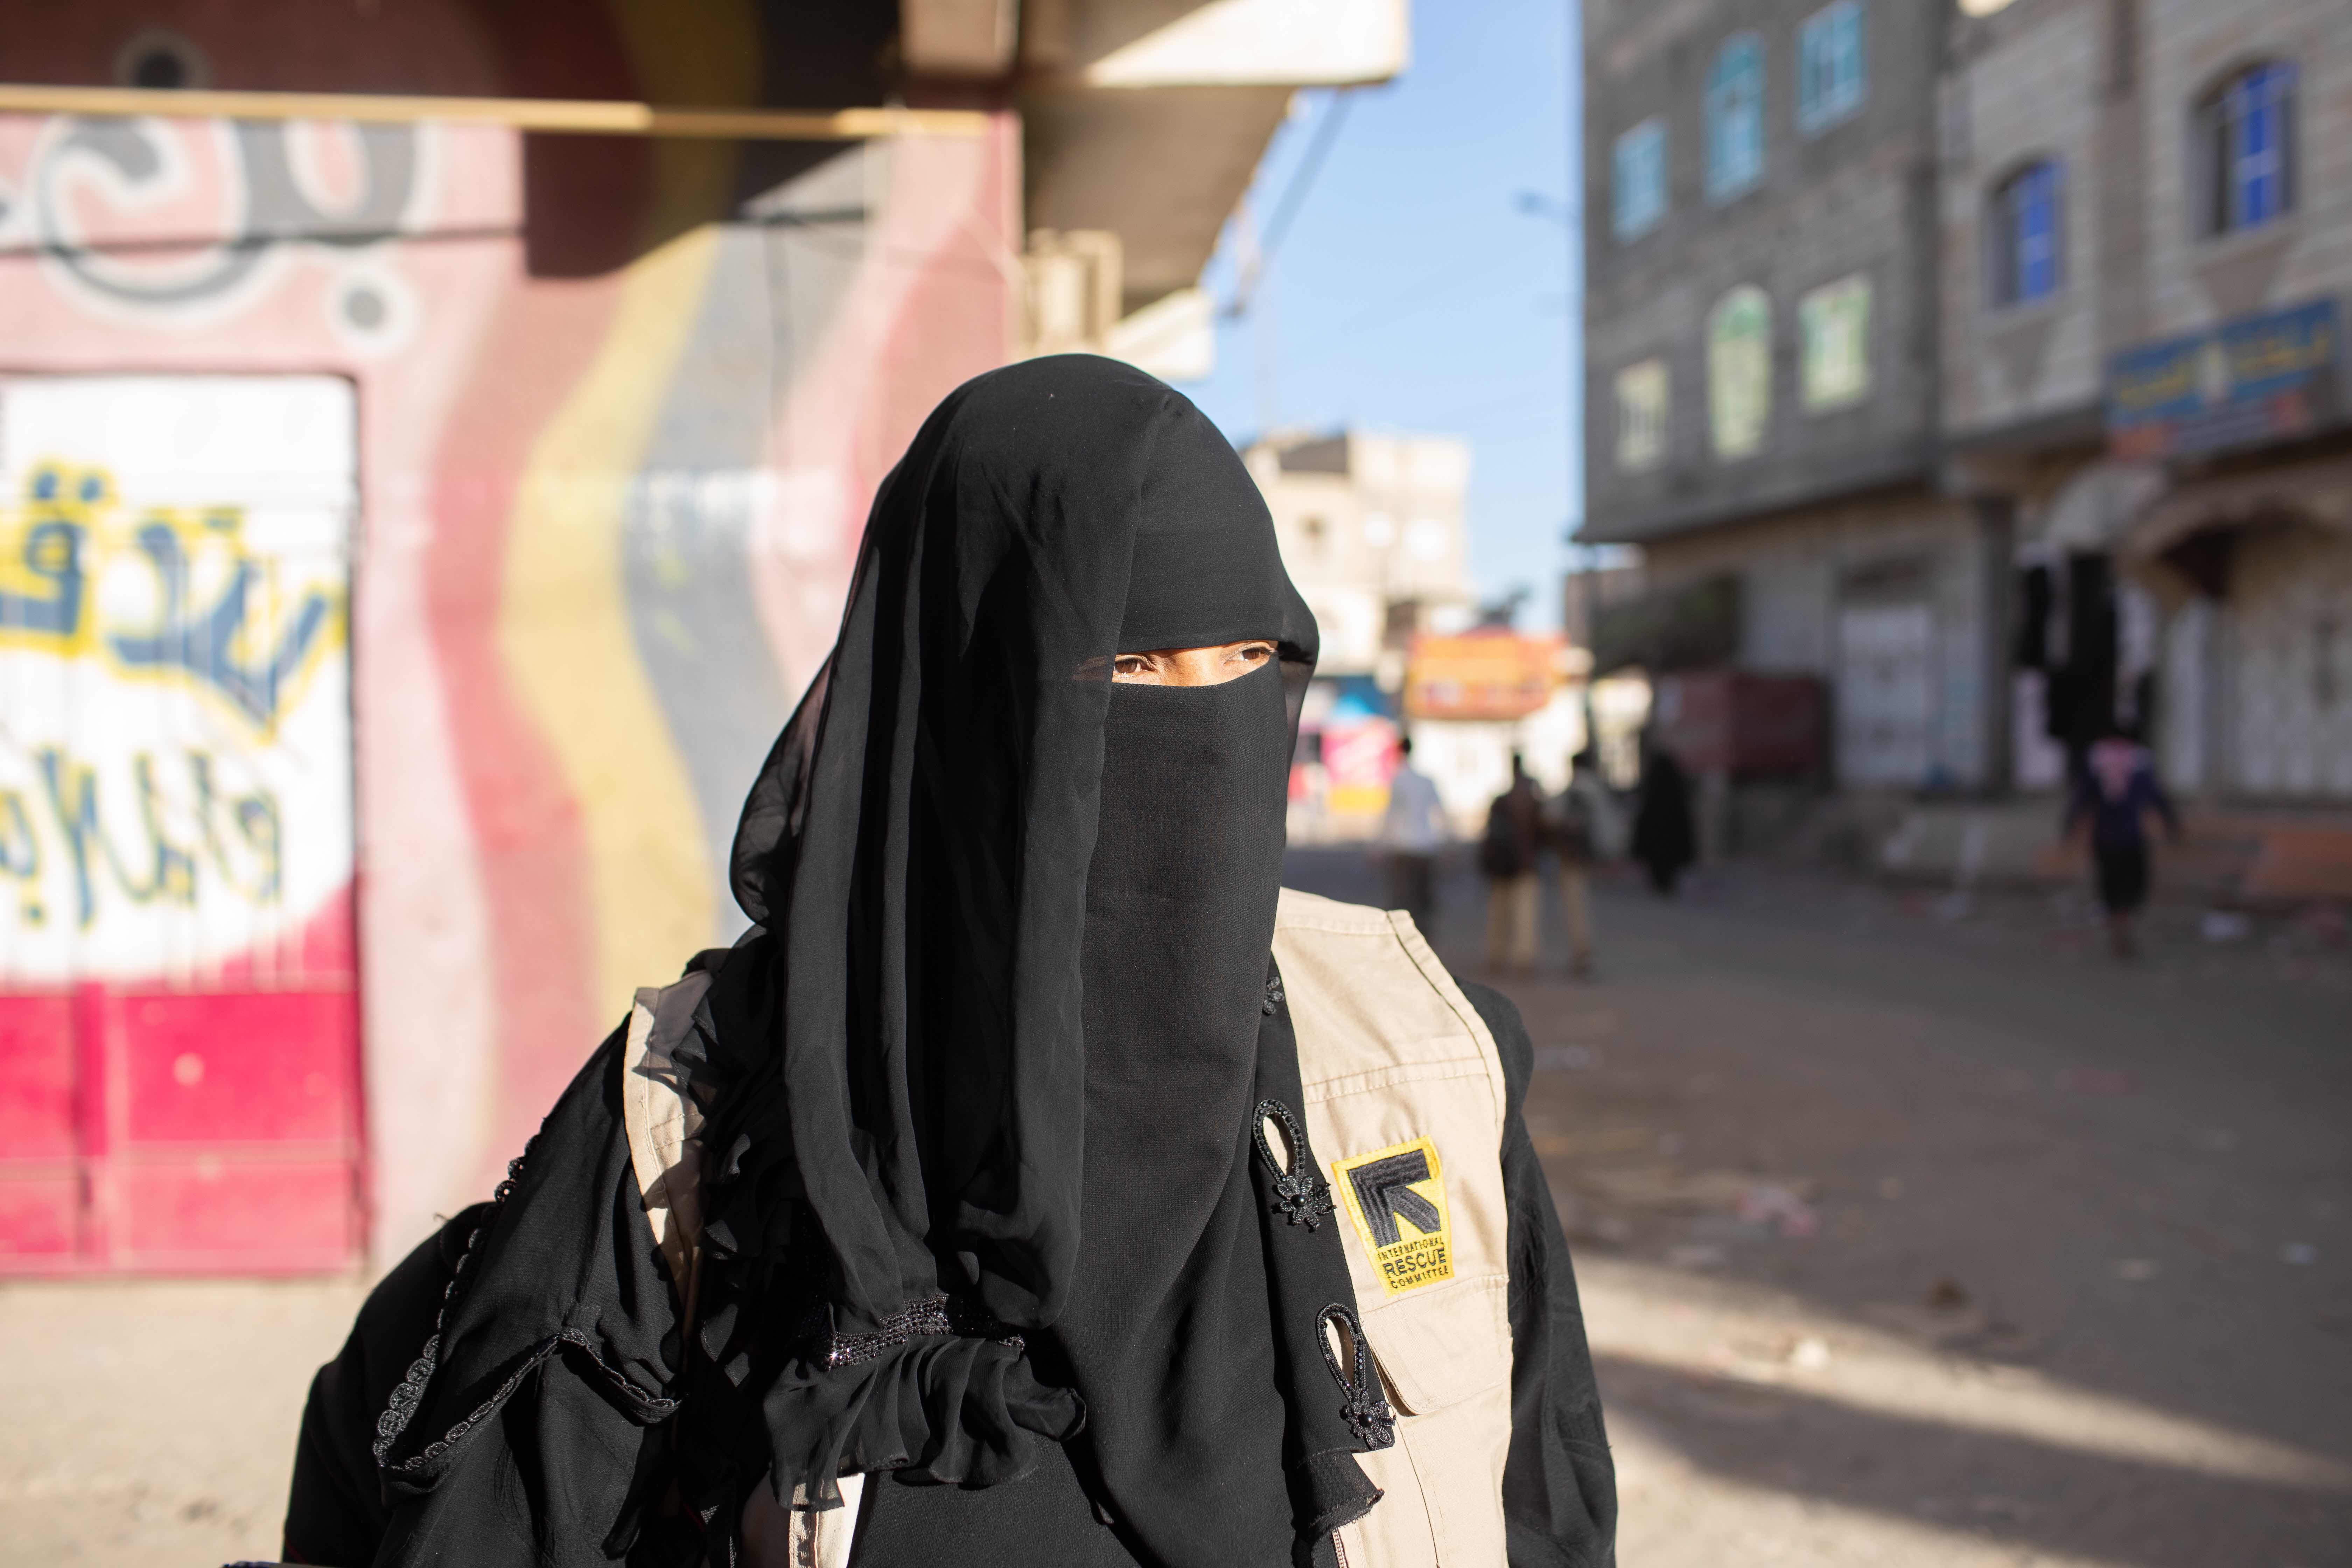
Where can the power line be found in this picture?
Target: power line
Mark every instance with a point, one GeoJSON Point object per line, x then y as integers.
{"type": "Point", "coordinates": [1293, 198]}
{"type": "Point", "coordinates": [1418, 296]}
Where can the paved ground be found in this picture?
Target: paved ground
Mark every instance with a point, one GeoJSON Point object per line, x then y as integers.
{"type": "Point", "coordinates": [152, 1425]}
{"type": "Point", "coordinates": [1911, 1231]}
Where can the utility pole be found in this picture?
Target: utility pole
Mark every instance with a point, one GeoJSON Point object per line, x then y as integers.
{"type": "Point", "coordinates": [1570, 215]}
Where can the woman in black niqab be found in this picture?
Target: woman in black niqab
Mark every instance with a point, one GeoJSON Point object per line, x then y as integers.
{"type": "Point", "coordinates": [1037, 904]}
{"type": "Point", "coordinates": [982, 1219]}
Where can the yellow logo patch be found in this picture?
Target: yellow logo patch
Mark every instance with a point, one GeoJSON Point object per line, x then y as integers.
{"type": "Point", "coordinates": [1397, 1197]}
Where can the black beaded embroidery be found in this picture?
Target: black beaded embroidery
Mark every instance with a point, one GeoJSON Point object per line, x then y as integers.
{"type": "Point", "coordinates": [1274, 997]}
{"type": "Point", "coordinates": [1366, 1408]}
{"type": "Point", "coordinates": [401, 1407]}
{"type": "Point", "coordinates": [1301, 1196]}
{"type": "Point", "coordinates": [919, 1320]}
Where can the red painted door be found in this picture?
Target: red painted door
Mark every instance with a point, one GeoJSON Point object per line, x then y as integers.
{"type": "Point", "coordinates": [180, 1069]}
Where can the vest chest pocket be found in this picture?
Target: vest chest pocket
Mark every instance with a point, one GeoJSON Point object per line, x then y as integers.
{"type": "Point", "coordinates": [1414, 1163]}
{"type": "Point", "coordinates": [1404, 1110]}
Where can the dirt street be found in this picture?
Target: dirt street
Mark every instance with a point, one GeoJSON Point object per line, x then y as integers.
{"type": "Point", "coordinates": [1911, 1230]}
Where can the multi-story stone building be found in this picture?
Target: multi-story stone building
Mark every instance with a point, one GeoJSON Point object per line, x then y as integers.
{"type": "Point", "coordinates": [2147, 224]}
{"type": "Point", "coordinates": [1372, 532]}
{"type": "Point", "coordinates": [1983, 358]}
{"type": "Point", "coordinates": [1762, 391]}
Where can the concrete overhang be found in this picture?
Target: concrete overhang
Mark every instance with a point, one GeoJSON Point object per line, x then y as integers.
{"type": "Point", "coordinates": [1147, 118]}
{"type": "Point", "coordinates": [2063, 431]}
{"type": "Point", "coordinates": [1901, 469]}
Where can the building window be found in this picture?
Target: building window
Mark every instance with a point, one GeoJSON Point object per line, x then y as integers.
{"type": "Point", "coordinates": [1834, 342]}
{"type": "Point", "coordinates": [2245, 149]}
{"type": "Point", "coordinates": [1832, 73]}
{"type": "Point", "coordinates": [2023, 239]}
{"type": "Point", "coordinates": [1641, 179]}
{"type": "Point", "coordinates": [1739, 370]}
{"type": "Point", "coordinates": [1735, 117]}
{"type": "Point", "coordinates": [1642, 408]}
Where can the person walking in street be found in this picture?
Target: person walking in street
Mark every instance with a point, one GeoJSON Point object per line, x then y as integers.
{"type": "Point", "coordinates": [1507, 857]}
{"type": "Point", "coordinates": [1412, 833]}
{"type": "Point", "coordinates": [1581, 830]}
{"type": "Point", "coordinates": [1664, 838]}
{"type": "Point", "coordinates": [2114, 796]}
{"type": "Point", "coordinates": [1024, 1187]}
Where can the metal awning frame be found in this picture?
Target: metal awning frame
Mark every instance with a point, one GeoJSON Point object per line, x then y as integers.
{"type": "Point", "coordinates": [553, 116]}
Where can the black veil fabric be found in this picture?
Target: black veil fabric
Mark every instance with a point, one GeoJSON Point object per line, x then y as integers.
{"type": "Point", "coordinates": [979, 1209]}
{"type": "Point", "coordinates": [980, 1084]}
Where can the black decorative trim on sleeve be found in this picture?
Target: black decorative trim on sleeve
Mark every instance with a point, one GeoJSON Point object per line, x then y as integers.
{"type": "Point", "coordinates": [401, 1407]}
{"type": "Point", "coordinates": [936, 1318]}
{"type": "Point", "coordinates": [1366, 1408]}
{"type": "Point", "coordinates": [1301, 1196]}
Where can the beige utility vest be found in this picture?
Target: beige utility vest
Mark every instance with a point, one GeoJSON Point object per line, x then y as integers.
{"type": "Point", "coordinates": [1404, 1110]}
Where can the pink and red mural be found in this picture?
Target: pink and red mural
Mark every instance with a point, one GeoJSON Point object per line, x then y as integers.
{"type": "Point", "coordinates": [414, 536]}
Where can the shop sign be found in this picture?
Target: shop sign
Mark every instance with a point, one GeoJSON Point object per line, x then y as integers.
{"type": "Point", "coordinates": [2259, 378]}
{"type": "Point", "coordinates": [1481, 675]}
{"type": "Point", "coordinates": [179, 1049]}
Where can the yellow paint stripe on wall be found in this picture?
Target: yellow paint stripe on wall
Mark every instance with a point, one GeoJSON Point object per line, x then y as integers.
{"type": "Point", "coordinates": [564, 635]}
{"type": "Point", "coordinates": [563, 628]}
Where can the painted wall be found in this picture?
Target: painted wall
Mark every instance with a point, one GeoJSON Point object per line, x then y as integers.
{"type": "Point", "coordinates": [620, 407]}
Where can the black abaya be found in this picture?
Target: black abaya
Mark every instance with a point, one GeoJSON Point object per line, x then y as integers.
{"type": "Point", "coordinates": [1560, 1501]}
{"type": "Point", "coordinates": [981, 1211]}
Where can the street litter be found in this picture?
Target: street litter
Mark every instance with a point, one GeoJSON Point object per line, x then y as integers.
{"type": "Point", "coordinates": [1695, 1255]}
{"type": "Point", "coordinates": [2093, 1080]}
{"type": "Point", "coordinates": [1598, 1140]}
{"type": "Point", "coordinates": [2135, 1269]}
{"type": "Point", "coordinates": [1767, 1203]}
{"type": "Point", "coordinates": [2323, 923]}
{"type": "Point", "coordinates": [2014, 1510]}
{"type": "Point", "coordinates": [2224, 925]}
{"type": "Point", "coordinates": [1810, 1352]}
{"type": "Point", "coordinates": [2298, 1252]}
{"type": "Point", "coordinates": [1572, 1058]}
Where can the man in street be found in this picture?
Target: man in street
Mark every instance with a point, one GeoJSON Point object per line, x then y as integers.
{"type": "Point", "coordinates": [1412, 833]}
{"type": "Point", "coordinates": [2113, 796]}
{"type": "Point", "coordinates": [1583, 828]}
{"type": "Point", "coordinates": [1666, 839]}
{"type": "Point", "coordinates": [1507, 857]}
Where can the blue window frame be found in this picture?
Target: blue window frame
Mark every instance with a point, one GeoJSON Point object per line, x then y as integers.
{"type": "Point", "coordinates": [2028, 222]}
{"type": "Point", "coordinates": [1639, 196]}
{"type": "Point", "coordinates": [1832, 69]}
{"type": "Point", "coordinates": [1735, 116]}
{"type": "Point", "coordinates": [2245, 139]}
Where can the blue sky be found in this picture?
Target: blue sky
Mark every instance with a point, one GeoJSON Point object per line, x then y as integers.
{"type": "Point", "coordinates": [1411, 292]}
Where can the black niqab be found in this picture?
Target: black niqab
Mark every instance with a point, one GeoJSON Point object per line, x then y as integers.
{"type": "Point", "coordinates": [980, 1102]}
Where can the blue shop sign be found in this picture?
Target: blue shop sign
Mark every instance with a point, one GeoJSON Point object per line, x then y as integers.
{"type": "Point", "coordinates": [2259, 378]}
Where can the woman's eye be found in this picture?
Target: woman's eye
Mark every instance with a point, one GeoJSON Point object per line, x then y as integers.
{"type": "Point", "coordinates": [1127, 667]}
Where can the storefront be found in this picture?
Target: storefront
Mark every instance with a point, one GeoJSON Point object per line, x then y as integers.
{"type": "Point", "coordinates": [2246, 555]}
{"type": "Point", "coordinates": [414, 533]}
